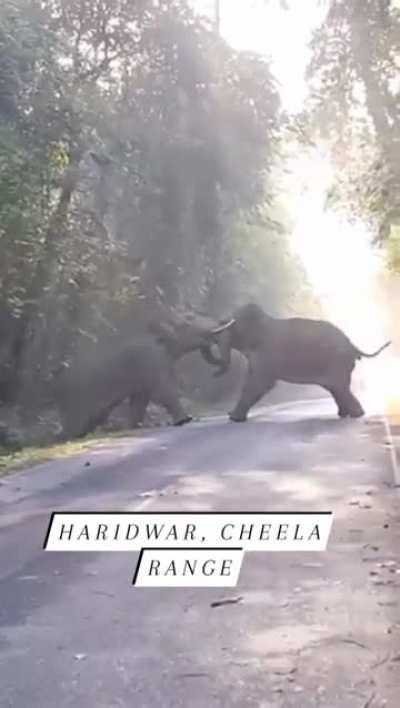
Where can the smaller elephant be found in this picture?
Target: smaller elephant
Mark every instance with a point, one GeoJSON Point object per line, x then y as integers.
{"type": "Point", "coordinates": [295, 350]}
{"type": "Point", "coordinates": [143, 371]}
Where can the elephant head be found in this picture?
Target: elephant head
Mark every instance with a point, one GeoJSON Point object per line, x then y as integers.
{"type": "Point", "coordinates": [187, 335]}
{"type": "Point", "coordinates": [244, 331]}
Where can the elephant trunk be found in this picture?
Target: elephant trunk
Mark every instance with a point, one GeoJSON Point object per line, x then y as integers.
{"type": "Point", "coordinates": [223, 341]}
{"type": "Point", "coordinates": [209, 356]}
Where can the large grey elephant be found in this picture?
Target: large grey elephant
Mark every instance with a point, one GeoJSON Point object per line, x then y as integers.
{"type": "Point", "coordinates": [143, 371]}
{"type": "Point", "coordinates": [296, 350]}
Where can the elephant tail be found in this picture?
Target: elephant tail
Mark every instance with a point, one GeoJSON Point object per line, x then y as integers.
{"type": "Point", "coordinates": [361, 354]}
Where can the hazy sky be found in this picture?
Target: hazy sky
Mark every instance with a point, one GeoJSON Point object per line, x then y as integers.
{"type": "Point", "coordinates": [328, 246]}
{"type": "Point", "coordinates": [264, 27]}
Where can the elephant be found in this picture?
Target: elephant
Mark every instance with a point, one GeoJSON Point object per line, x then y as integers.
{"type": "Point", "coordinates": [142, 371]}
{"type": "Point", "coordinates": [296, 350]}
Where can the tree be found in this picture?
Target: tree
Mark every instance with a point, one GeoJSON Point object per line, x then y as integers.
{"type": "Point", "coordinates": [134, 144]}
{"type": "Point", "coordinates": [355, 106]}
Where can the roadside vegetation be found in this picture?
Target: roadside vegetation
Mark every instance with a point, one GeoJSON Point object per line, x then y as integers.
{"type": "Point", "coordinates": [141, 162]}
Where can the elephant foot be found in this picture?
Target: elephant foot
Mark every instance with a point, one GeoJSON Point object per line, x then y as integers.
{"type": "Point", "coordinates": [343, 413]}
{"type": "Point", "coordinates": [237, 418]}
{"type": "Point", "coordinates": [357, 413]}
{"type": "Point", "coordinates": [183, 421]}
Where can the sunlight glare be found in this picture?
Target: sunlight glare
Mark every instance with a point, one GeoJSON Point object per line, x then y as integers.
{"type": "Point", "coordinates": [340, 262]}
{"type": "Point", "coordinates": [268, 29]}
{"type": "Point", "coordinates": [344, 270]}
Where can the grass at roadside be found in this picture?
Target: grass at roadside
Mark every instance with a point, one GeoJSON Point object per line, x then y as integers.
{"type": "Point", "coordinates": [29, 456]}
{"type": "Point", "coordinates": [12, 461]}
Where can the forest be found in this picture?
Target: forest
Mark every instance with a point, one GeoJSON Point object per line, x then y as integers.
{"type": "Point", "coordinates": [142, 177]}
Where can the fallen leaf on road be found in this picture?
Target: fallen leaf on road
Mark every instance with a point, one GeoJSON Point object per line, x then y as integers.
{"type": "Point", "coordinates": [349, 640]}
{"type": "Point", "coordinates": [387, 564]}
{"type": "Point", "coordinates": [369, 701]}
{"type": "Point", "coordinates": [383, 582]}
{"type": "Point", "coordinates": [103, 592]}
{"type": "Point", "coordinates": [382, 661]}
{"type": "Point", "coordinates": [227, 601]}
{"type": "Point", "coordinates": [285, 672]}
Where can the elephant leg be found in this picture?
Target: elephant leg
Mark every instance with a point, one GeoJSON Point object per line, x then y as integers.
{"type": "Point", "coordinates": [167, 395]}
{"type": "Point", "coordinates": [95, 420]}
{"type": "Point", "coordinates": [255, 387]}
{"type": "Point", "coordinates": [348, 405]}
{"type": "Point", "coordinates": [137, 408]}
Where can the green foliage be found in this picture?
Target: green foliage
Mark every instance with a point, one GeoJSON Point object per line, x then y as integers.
{"type": "Point", "coordinates": [393, 250]}
{"type": "Point", "coordinates": [262, 268]}
{"type": "Point", "coordinates": [355, 91]}
{"type": "Point", "coordinates": [135, 149]}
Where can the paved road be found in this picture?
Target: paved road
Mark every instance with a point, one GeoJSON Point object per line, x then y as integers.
{"type": "Point", "coordinates": [311, 629]}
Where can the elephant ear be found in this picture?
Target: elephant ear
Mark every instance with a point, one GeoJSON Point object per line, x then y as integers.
{"type": "Point", "coordinates": [162, 329]}
{"type": "Point", "coordinates": [167, 329]}
{"type": "Point", "coordinates": [165, 334]}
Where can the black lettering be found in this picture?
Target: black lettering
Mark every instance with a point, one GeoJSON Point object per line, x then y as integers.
{"type": "Point", "coordinates": [265, 531]}
{"type": "Point", "coordinates": [226, 565]}
{"type": "Point", "coordinates": [154, 530]}
{"type": "Point", "coordinates": [84, 532]}
{"type": "Point", "coordinates": [315, 532]}
{"type": "Point", "coordinates": [68, 532]}
{"type": "Point", "coordinates": [226, 538]}
{"type": "Point", "coordinates": [154, 565]}
{"type": "Point", "coordinates": [135, 532]}
{"type": "Point", "coordinates": [212, 568]}
{"type": "Point", "coordinates": [171, 570]}
{"type": "Point", "coordinates": [172, 533]}
{"type": "Point", "coordinates": [246, 530]}
{"type": "Point", "coordinates": [296, 535]}
{"type": "Point", "coordinates": [192, 568]}
{"type": "Point", "coordinates": [101, 531]}
{"type": "Point", "coordinates": [190, 532]}
{"type": "Point", "coordinates": [284, 528]}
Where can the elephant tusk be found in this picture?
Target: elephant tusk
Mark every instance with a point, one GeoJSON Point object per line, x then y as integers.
{"type": "Point", "coordinates": [223, 327]}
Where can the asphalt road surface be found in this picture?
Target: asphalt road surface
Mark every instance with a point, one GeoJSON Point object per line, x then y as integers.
{"type": "Point", "coordinates": [311, 628]}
